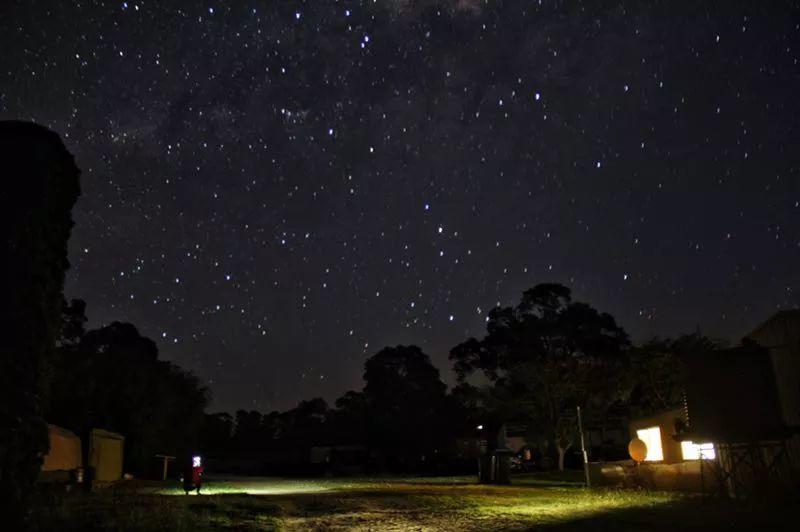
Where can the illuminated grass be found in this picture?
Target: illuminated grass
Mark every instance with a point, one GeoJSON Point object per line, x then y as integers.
{"type": "Point", "coordinates": [443, 503]}
{"type": "Point", "coordinates": [405, 502]}
{"type": "Point", "coordinates": [548, 506]}
{"type": "Point", "coordinates": [283, 486]}
{"type": "Point", "coordinates": [265, 487]}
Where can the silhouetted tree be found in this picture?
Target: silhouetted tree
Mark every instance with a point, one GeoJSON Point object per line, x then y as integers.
{"type": "Point", "coordinates": [546, 356]}
{"type": "Point", "coordinates": [113, 379]}
{"type": "Point", "coordinates": [404, 400]}
{"type": "Point", "coordinates": [248, 433]}
{"type": "Point", "coordinates": [273, 428]}
{"type": "Point", "coordinates": [350, 419]}
{"type": "Point", "coordinates": [657, 374]}
{"type": "Point", "coordinates": [217, 432]}
{"type": "Point", "coordinates": [469, 401]}
{"type": "Point", "coordinates": [305, 424]}
{"type": "Point", "coordinates": [40, 186]}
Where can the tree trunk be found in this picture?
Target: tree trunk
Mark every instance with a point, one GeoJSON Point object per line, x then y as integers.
{"type": "Point", "coordinates": [561, 452]}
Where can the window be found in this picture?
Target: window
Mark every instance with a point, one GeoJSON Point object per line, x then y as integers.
{"type": "Point", "coordinates": [696, 451]}
{"type": "Point", "coordinates": [652, 438]}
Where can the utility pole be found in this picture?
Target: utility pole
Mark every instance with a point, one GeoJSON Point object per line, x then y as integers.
{"type": "Point", "coordinates": [583, 450]}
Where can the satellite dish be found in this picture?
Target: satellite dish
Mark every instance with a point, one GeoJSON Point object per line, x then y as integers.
{"type": "Point", "coordinates": [637, 449]}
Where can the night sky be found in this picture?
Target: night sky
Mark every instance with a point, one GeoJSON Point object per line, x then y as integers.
{"type": "Point", "coordinates": [273, 191]}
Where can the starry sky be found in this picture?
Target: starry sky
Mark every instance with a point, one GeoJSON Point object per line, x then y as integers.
{"type": "Point", "coordinates": [274, 190]}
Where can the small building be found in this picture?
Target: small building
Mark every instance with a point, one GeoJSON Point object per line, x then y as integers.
{"type": "Point", "coordinates": [739, 434]}
{"type": "Point", "coordinates": [780, 335]}
{"type": "Point", "coordinates": [105, 455]}
{"type": "Point", "coordinates": [734, 401]}
{"type": "Point", "coordinates": [672, 462]}
{"type": "Point", "coordinates": [658, 433]}
{"type": "Point", "coordinates": [666, 439]}
{"type": "Point", "coordinates": [63, 459]}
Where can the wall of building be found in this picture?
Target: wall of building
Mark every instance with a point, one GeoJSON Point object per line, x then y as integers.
{"type": "Point", "coordinates": [682, 476]}
{"type": "Point", "coordinates": [666, 422]}
{"type": "Point", "coordinates": [65, 450]}
{"type": "Point", "coordinates": [781, 335]}
{"type": "Point", "coordinates": [105, 455]}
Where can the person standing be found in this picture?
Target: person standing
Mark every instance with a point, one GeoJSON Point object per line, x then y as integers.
{"type": "Point", "coordinates": [193, 475]}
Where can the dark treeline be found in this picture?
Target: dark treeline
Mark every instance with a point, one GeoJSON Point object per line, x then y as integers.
{"type": "Point", "coordinates": [402, 420]}
{"type": "Point", "coordinates": [538, 361]}
{"type": "Point", "coordinates": [112, 378]}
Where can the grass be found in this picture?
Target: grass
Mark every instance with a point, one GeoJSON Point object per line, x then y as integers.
{"type": "Point", "coordinates": [441, 503]}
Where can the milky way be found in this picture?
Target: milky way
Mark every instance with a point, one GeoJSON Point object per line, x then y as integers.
{"type": "Point", "coordinates": [274, 191]}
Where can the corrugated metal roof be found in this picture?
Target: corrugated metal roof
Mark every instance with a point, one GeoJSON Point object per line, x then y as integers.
{"type": "Point", "coordinates": [788, 316]}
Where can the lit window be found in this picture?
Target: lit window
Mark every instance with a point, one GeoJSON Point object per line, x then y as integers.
{"type": "Point", "coordinates": [696, 451]}
{"type": "Point", "coordinates": [652, 438]}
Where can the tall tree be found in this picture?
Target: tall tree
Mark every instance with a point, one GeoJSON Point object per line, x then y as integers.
{"type": "Point", "coordinates": [404, 399]}
{"type": "Point", "coordinates": [40, 186]}
{"type": "Point", "coordinates": [350, 418]}
{"type": "Point", "coordinates": [113, 379]}
{"type": "Point", "coordinates": [545, 357]}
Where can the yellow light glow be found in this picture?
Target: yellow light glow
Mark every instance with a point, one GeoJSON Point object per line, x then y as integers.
{"type": "Point", "coordinates": [696, 451]}
{"type": "Point", "coordinates": [652, 438]}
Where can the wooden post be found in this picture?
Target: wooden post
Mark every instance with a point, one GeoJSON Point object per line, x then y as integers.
{"type": "Point", "coordinates": [166, 460]}
{"type": "Point", "coordinates": [583, 450]}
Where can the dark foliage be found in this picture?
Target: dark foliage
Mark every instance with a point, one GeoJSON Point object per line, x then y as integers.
{"type": "Point", "coordinates": [306, 423]}
{"type": "Point", "coordinates": [402, 420]}
{"type": "Point", "coordinates": [112, 378]}
{"type": "Point", "coordinates": [40, 186]}
{"type": "Point", "coordinates": [658, 374]}
{"type": "Point", "coordinates": [538, 361]}
{"type": "Point", "coordinates": [545, 357]}
{"type": "Point", "coordinates": [405, 401]}
{"type": "Point", "coordinates": [350, 419]}
{"type": "Point", "coordinates": [216, 432]}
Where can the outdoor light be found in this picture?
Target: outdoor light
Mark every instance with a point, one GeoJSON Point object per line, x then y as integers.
{"type": "Point", "coordinates": [196, 461]}
{"type": "Point", "coordinates": [697, 451]}
{"type": "Point", "coordinates": [652, 438]}
{"type": "Point", "coordinates": [480, 427]}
